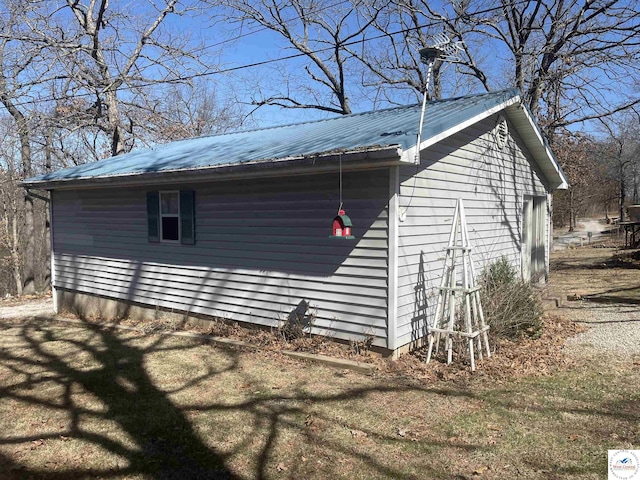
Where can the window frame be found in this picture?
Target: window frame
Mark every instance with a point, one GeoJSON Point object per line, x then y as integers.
{"type": "Point", "coordinates": [169, 215]}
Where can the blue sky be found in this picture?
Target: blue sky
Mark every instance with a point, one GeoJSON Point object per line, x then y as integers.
{"type": "Point", "coordinates": [246, 83]}
{"type": "Point", "coordinates": [266, 45]}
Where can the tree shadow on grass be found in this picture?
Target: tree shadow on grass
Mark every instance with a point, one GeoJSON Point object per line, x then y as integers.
{"type": "Point", "coordinates": [99, 377]}
{"type": "Point", "coordinates": [617, 262]}
{"type": "Point", "coordinates": [589, 419]}
{"type": "Point", "coordinates": [165, 443]}
{"type": "Point", "coordinates": [160, 422]}
{"type": "Point", "coordinates": [625, 295]}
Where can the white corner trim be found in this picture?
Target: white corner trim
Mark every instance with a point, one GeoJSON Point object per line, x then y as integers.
{"type": "Point", "coordinates": [52, 259]}
{"type": "Point", "coordinates": [394, 235]}
{"type": "Point", "coordinates": [409, 155]}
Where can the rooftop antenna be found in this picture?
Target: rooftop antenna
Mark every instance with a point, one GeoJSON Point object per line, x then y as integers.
{"type": "Point", "coordinates": [439, 47]}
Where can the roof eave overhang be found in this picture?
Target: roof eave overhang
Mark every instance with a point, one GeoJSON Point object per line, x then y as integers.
{"type": "Point", "coordinates": [532, 137]}
{"type": "Point", "coordinates": [359, 159]}
{"type": "Point", "coordinates": [410, 154]}
{"type": "Point", "coordinates": [528, 130]}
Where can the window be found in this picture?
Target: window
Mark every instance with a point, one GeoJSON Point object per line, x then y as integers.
{"type": "Point", "coordinates": [171, 216]}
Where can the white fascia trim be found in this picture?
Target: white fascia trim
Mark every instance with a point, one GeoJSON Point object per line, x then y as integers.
{"type": "Point", "coordinates": [409, 155]}
{"type": "Point", "coordinates": [362, 158]}
{"type": "Point", "coordinates": [565, 183]}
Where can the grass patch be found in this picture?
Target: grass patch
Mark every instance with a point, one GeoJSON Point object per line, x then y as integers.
{"type": "Point", "coordinates": [602, 275]}
{"type": "Point", "coordinates": [81, 402]}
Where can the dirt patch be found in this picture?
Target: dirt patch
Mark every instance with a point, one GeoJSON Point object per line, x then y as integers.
{"type": "Point", "coordinates": [588, 271]}
{"type": "Point", "coordinates": [603, 258]}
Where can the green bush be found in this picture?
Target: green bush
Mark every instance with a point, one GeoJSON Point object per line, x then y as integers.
{"type": "Point", "coordinates": [511, 306]}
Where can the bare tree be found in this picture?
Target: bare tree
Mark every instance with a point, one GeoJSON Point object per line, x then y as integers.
{"type": "Point", "coordinates": [588, 185]}
{"type": "Point", "coordinates": [392, 59]}
{"type": "Point", "coordinates": [183, 111]}
{"type": "Point", "coordinates": [11, 208]}
{"type": "Point", "coordinates": [20, 59]}
{"type": "Point", "coordinates": [11, 231]}
{"type": "Point", "coordinates": [620, 151]}
{"type": "Point", "coordinates": [70, 134]}
{"type": "Point", "coordinates": [319, 32]}
{"type": "Point", "coordinates": [574, 60]}
{"type": "Point", "coordinates": [117, 55]}
{"type": "Point", "coordinates": [78, 82]}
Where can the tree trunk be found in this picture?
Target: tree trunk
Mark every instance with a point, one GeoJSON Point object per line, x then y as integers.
{"type": "Point", "coordinates": [29, 250]}
{"type": "Point", "coordinates": [15, 254]}
{"type": "Point", "coordinates": [572, 219]}
{"type": "Point", "coordinates": [117, 142]}
{"type": "Point", "coordinates": [623, 196]}
{"type": "Point", "coordinates": [29, 257]}
{"type": "Point", "coordinates": [46, 284]}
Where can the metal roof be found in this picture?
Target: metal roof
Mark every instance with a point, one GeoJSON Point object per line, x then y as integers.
{"type": "Point", "coordinates": [392, 130]}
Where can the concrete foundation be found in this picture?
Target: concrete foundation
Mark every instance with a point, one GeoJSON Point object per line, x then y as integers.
{"type": "Point", "coordinates": [84, 305]}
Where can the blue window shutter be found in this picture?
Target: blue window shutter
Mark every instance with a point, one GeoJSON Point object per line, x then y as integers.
{"type": "Point", "coordinates": [188, 217]}
{"type": "Point", "coordinates": [153, 216]}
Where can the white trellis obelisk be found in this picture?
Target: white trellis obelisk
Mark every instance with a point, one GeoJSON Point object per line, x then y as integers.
{"type": "Point", "coordinates": [459, 311]}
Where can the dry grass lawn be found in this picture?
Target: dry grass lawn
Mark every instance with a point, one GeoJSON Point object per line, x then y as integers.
{"type": "Point", "coordinates": [86, 402]}
{"type": "Point", "coordinates": [603, 275]}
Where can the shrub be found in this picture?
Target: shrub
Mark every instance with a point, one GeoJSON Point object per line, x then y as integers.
{"type": "Point", "coordinates": [511, 306]}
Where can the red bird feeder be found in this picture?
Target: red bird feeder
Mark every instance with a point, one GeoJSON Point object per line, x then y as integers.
{"type": "Point", "coordinates": [342, 226]}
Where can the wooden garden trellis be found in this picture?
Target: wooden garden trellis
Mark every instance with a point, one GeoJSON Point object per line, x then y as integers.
{"type": "Point", "coordinates": [459, 310]}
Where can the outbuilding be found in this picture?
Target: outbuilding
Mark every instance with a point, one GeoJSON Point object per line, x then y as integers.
{"type": "Point", "coordinates": [239, 226]}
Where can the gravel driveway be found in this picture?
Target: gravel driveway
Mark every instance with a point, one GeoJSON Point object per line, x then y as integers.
{"type": "Point", "coordinates": [30, 308]}
{"type": "Point", "coordinates": [580, 236]}
{"type": "Point", "coordinates": [613, 324]}
{"type": "Point", "coordinates": [614, 328]}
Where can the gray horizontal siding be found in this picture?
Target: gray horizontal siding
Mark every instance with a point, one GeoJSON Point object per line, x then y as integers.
{"type": "Point", "coordinates": [262, 246]}
{"type": "Point", "coordinates": [491, 183]}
